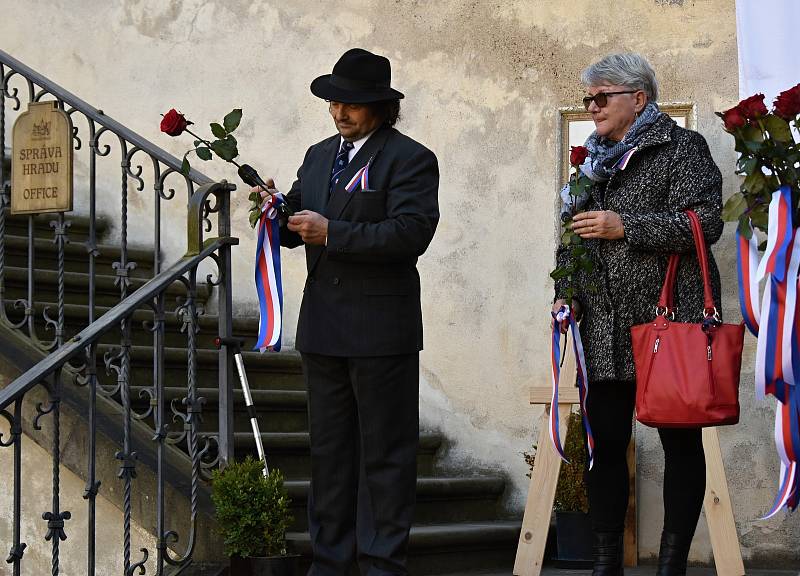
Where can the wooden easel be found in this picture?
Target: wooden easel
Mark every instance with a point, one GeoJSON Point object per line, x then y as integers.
{"type": "Point", "coordinates": [536, 520]}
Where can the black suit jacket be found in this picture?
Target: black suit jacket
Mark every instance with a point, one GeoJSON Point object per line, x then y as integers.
{"type": "Point", "coordinates": [362, 292]}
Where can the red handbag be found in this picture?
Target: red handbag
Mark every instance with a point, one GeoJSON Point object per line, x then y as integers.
{"type": "Point", "coordinates": [687, 375]}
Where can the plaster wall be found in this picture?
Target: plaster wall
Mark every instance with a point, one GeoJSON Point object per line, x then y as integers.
{"type": "Point", "coordinates": [484, 81]}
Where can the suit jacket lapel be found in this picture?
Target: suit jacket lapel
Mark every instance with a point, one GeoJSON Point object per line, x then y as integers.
{"type": "Point", "coordinates": [320, 177]}
{"type": "Point", "coordinates": [341, 197]}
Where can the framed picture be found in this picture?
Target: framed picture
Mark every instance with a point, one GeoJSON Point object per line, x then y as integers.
{"type": "Point", "coordinates": [576, 125]}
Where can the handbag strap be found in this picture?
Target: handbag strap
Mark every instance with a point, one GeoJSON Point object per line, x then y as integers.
{"type": "Point", "coordinates": [666, 299]}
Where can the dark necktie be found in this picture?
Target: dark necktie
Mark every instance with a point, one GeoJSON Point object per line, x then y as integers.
{"type": "Point", "coordinates": [342, 158]}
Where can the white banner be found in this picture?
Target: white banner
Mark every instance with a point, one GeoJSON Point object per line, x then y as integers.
{"type": "Point", "coordinates": [768, 57]}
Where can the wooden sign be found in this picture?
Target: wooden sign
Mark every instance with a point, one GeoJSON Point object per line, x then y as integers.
{"type": "Point", "coordinates": [41, 166]}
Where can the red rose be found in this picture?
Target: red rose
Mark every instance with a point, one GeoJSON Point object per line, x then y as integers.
{"type": "Point", "coordinates": [733, 119]}
{"type": "Point", "coordinates": [753, 107]}
{"type": "Point", "coordinates": [787, 104]}
{"type": "Point", "coordinates": [577, 154]}
{"type": "Point", "coordinates": [174, 123]}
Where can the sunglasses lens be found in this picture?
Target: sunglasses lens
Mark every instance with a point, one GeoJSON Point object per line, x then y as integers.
{"type": "Point", "coordinates": [600, 99]}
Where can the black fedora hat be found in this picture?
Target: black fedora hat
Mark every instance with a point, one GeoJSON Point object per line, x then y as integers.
{"type": "Point", "coordinates": [358, 77]}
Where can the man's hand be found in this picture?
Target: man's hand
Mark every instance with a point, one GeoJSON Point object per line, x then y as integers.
{"type": "Point", "coordinates": [312, 227]}
{"type": "Point", "coordinates": [575, 310]}
{"type": "Point", "coordinates": [602, 224]}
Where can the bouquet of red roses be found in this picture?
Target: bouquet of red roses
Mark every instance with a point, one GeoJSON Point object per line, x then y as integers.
{"type": "Point", "coordinates": [769, 156]}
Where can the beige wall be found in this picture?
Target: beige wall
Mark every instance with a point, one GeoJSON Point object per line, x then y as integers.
{"type": "Point", "coordinates": [483, 82]}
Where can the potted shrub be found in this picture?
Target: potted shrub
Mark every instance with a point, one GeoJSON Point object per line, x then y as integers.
{"type": "Point", "coordinates": [252, 514]}
{"type": "Point", "coordinates": [571, 502]}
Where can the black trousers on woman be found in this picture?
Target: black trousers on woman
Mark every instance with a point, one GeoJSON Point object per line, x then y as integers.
{"type": "Point", "coordinates": [610, 405]}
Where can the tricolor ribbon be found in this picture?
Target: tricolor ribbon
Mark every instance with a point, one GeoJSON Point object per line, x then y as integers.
{"type": "Point", "coordinates": [747, 268]}
{"type": "Point", "coordinates": [775, 323]}
{"type": "Point", "coordinates": [623, 161]}
{"type": "Point", "coordinates": [361, 177]}
{"type": "Point", "coordinates": [564, 315]}
{"type": "Point", "coordinates": [268, 277]}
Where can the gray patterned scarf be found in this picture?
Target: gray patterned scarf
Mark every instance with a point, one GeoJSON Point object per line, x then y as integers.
{"type": "Point", "coordinates": [604, 155]}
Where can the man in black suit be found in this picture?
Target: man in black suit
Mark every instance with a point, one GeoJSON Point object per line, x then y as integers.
{"type": "Point", "coordinates": [360, 325]}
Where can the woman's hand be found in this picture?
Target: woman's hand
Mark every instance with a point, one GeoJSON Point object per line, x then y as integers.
{"type": "Point", "coordinates": [575, 310]}
{"type": "Point", "coordinates": [602, 224]}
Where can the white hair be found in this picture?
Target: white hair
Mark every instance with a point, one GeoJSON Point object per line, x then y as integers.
{"type": "Point", "coordinates": [626, 69]}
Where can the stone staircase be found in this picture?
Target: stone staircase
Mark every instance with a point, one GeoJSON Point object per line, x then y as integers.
{"type": "Point", "coordinates": [461, 525]}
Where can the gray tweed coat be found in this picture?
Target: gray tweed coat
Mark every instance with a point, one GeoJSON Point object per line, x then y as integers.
{"type": "Point", "coordinates": [672, 171]}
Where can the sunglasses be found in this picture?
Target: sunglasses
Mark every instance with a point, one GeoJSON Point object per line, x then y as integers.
{"type": "Point", "coordinates": [601, 98]}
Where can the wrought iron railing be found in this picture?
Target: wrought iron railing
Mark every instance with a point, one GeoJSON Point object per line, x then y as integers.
{"type": "Point", "coordinates": [74, 360]}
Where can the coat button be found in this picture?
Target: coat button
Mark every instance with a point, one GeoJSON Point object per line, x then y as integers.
{"type": "Point", "coordinates": [336, 281]}
{"type": "Point", "coordinates": [310, 279]}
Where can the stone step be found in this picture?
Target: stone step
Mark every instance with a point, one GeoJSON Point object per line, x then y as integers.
{"type": "Point", "coordinates": [76, 319]}
{"type": "Point", "coordinates": [78, 230]}
{"type": "Point", "coordinates": [76, 256]}
{"type": "Point", "coordinates": [439, 499]}
{"type": "Point", "coordinates": [453, 548]}
{"type": "Point", "coordinates": [278, 410]}
{"type": "Point", "coordinates": [76, 285]}
{"type": "Point", "coordinates": [290, 451]}
{"type": "Point", "coordinates": [273, 371]}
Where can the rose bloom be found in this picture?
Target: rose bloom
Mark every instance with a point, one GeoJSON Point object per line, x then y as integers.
{"type": "Point", "coordinates": [733, 119]}
{"type": "Point", "coordinates": [174, 123]}
{"type": "Point", "coordinates": [787, 104]}
{"type": "Point", "coordinates": [577, 154]}
{"type": "Point", "coordinates": [753, 107]}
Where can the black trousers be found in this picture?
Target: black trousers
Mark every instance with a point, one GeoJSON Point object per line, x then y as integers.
{"type": "Point", "coordinates": [611, 405]}
{"type": "Point", "coordinates": [364, 421]}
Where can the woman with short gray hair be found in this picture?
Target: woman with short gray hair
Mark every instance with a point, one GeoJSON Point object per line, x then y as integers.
{"type": "Point", "coordinates": [646, 172]}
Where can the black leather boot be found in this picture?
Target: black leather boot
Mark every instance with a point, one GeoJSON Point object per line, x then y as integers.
{"type": "Point", "coordinates": [673, 554]}
{"type": "Point", "coordinates": [607, 552]}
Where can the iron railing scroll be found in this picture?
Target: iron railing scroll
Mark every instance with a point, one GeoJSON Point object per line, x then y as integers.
{"type": "Point", "coordinates": [96, 352]}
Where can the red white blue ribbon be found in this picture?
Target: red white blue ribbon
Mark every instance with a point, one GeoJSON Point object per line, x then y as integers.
{"type": "Point", "coordinates": [776, 325]}
{"type": "Point", "coordinates": [564, 315]}
{"type": "Point", "coordinates": [747, 271]}
{"type": "Point", "coordinates": [361, 177]}
{"type": "Point", "coordinates": [623, 161]}
{"type": "Point", "coordinates": [268, 277]}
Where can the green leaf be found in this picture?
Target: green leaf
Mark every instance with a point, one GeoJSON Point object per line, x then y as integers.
{"type": "Point", "coordinates": [752, 133]}
{"type": "Point", "coordinates": [225, 149]}
{"type": "Point", "coordinates": [559, 273]}
{"type": "Point", "coordinates": [197, 143]}
{"type": "Point", "coordinates": [760, 217]}
{"type": "Point", "coordinates": [232, 119]}
{"type": "Point", "coordinates": [218, 130]}
{"type": "Point", "coordinates": [254, 214]}
{"type": "Point", "coordinates": [203, 153]}
{"type": "Point", "coordinates": [778, 128]}
{"type": "Point", "coordinates": [755, 182]}
{"type": "Point", "coordinates": [185, 167]}
{"type": "Point", "coordinates": [734, 207]}
{"type": "Point", "coordinates": [744, 226]}
{"type": "Point", "coordinates": [747, 164]}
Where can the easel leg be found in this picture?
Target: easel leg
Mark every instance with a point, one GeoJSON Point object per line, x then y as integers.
{"type": "Point", "coordinates": [719, 512]}
{"type": "Point", "coordinates": [541, 492]}
{"type": "Point", "coordinates": [631, 529]}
